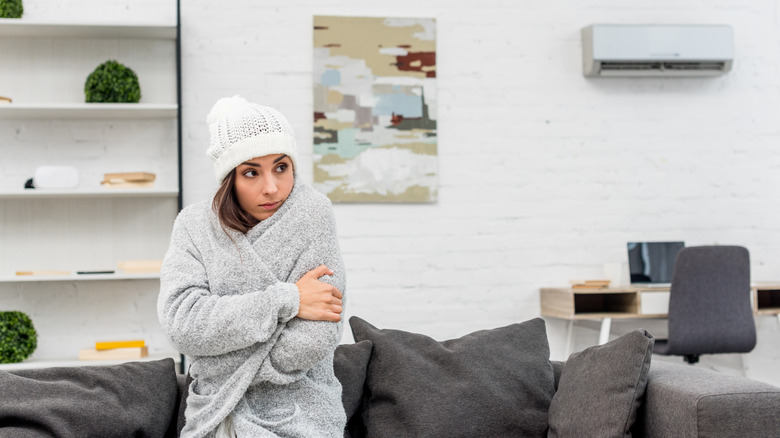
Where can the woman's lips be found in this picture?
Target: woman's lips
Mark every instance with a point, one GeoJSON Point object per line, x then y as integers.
{"type": "Point", "coordinates": [269, 206]}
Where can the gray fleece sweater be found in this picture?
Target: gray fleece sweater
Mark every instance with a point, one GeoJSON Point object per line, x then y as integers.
{"type": "Point", "coordinates": [230, 306]}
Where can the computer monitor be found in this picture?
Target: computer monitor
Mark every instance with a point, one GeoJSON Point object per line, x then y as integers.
{"type": "Point", "coordinates": [652, 263]}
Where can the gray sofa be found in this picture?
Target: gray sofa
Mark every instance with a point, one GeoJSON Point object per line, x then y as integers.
{"type": "Point", "coordinates": [398, 384]}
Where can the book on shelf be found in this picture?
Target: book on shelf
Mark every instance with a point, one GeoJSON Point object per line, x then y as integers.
{"type": "Point", "coordinates": [109, 345]}
{"type": "Point", "coordinates": [128, 179]}
{"type": "Point", "coordinates": [114, 353]}
{"type": "Point", "coordinates": [43, 273]}
{"type": "Point", "coordinates": [4, 99]}
{"type": "Point", "coordinates": [589, 284]}
{"type": "Point", "coordinates": [139, 266]}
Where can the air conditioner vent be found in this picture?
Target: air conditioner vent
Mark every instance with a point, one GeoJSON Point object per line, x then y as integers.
{"type": "Point", "coordinates": [661, 66]}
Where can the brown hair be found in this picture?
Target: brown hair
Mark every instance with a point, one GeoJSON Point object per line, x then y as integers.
{"type": "Point", "coordinates": [229, 211]}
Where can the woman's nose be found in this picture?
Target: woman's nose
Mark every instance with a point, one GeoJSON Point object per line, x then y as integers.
{"type": "Point", "coordinates": [269, 185]}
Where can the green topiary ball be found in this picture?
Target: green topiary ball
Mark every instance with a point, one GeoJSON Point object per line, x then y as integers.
{"type": "Point", "coordinates": [112, 82]}
{"type": "Point", "coordinates": [11, 9]}
{"type": "Point", "coordinates": [18, 338]}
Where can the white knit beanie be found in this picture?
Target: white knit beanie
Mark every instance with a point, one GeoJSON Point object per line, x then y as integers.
{"type": "Point", "coordinates": [241, 130]}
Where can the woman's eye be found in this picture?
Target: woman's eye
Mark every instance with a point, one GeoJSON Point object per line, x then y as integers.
{"type": "Point", "coordinates": [250, 173]}
{"type": "Point", "coordinates": [281, 167]}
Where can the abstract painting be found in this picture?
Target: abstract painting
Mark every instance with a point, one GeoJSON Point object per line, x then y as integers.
{"type": "Point", "coordinates": [375, 109]}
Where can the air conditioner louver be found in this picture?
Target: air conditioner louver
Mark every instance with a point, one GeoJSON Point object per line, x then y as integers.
{"type": "Point", "coordinates": [661, 68]}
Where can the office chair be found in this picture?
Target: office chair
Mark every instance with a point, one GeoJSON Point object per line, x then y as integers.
{"type": "Point", "coordinates": [709, 304]}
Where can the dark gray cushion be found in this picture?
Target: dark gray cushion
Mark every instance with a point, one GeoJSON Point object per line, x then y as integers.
{"type": "Point", "coordinates": [350, 363]}
{"type": "Point", "coordinates": [490, 383]}
{"type": "Point", "coordinates": [601, 388]}
{"type": "Point", "coordinates": [136, 399]}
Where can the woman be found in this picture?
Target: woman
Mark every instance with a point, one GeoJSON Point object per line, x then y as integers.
{"type": "Point", "coordinates": [251, 288]}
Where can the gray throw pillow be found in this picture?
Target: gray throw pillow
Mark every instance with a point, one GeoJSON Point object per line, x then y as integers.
{"type": "Point", "coordinates": [136, 399]}
{"type": "Point", "coordinates": [349, 364]}
{"type": "Point", "coordinates": [601, 388]}
{"type": "Point", "coordinates": [490, 383]}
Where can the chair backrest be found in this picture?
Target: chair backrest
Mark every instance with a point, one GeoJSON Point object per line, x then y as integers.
{"type": "Point", "coordinates": [709, 303]}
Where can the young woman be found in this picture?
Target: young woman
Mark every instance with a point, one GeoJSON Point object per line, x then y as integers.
{"type": "Point", "coordinates": [251, 288]}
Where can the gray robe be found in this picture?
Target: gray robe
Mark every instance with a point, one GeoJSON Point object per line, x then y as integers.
{"type": "Point", "coordinates": [230, 306]}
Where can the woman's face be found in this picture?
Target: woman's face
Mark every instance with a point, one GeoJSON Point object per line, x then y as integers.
{"type": "Point", "coordinates": [263, 184]}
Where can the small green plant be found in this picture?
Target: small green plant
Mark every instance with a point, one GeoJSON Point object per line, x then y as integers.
{"type": "Point", "coordinates": [18, 338]}
{"type": "Point", "coordinates": [11, 9]}
{"type": "Point", "coordinates": [112, 82]}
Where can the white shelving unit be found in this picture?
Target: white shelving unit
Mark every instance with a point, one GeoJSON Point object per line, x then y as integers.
{"type": "Point", "coordinates": [43, 69]}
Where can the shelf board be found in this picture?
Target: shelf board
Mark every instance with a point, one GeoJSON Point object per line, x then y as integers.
{"type": "Point", "coordinates": [79, 277]}
{"type": "Point", "coordinates": [94, 193]}
{"type": "Point", "coordinates": [88, 110]}
{"type": "Point", "coordinates": [73, 362]}
{"type": "Point", "coordinates": [10, 27]}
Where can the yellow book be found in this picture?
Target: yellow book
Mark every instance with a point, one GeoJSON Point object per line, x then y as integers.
{"type": "Point", "coordinates": [114, 353]}
{"type": "Point", "coordinates": [108, 345]}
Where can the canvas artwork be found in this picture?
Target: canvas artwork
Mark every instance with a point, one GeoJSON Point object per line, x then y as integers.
{"type": "Point", "coordinates": [375, 109]}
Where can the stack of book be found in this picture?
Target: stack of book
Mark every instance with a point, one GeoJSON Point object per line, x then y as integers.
{"type": "Point", "coordinates": [589, 284]}
{"type": "Point", "coordinates": [113, 350]}
{"type": "Point", "coordinates": [128, 179]}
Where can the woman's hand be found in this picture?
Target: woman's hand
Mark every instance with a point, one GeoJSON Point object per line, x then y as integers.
{"type": "Point", "coordinates": [320, 301]}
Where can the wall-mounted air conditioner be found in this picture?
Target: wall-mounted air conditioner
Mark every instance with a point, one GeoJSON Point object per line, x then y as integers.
{"type": "Point", "coordinates": [657, 50]}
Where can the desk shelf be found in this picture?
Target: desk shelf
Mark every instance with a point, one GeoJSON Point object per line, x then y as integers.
{"type": "Point", "coordinates": [633, 302]}
{"type": "Point", "coordinates": [618, 303]}
{"type": "Point", "coordinates": [767, 299]}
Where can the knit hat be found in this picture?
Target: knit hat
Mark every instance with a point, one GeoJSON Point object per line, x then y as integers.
{"type": "Point", "coordinates": [241, 130]}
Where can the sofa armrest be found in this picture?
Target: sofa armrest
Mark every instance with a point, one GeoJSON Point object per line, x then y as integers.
{"type": "Point", "coordinates": [686, 401]}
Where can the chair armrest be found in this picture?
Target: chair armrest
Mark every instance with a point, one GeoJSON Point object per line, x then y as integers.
{"type": "Point", "coordinates": [687, 401]}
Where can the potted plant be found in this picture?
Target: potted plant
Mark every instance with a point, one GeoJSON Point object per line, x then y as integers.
{"type": "Point", "coordinates": [112, 82]}
{"type": "Point", "coordinates": [18, 338]}
{"type": "Point", "coordinates": [11, 9]}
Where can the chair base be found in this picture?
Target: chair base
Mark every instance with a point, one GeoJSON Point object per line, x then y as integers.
{"type": "Point", "coordinates": [691, 358]}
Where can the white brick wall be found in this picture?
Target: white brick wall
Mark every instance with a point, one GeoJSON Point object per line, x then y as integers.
{"type": "Point", "coordinates": [544, 175]}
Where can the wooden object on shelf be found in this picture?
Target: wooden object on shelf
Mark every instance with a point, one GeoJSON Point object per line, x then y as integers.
{"type": "Point", "coordinates": [109, 345]}
{"type": "Point", "coordinates": [589, 284]}
{"type": "Point", "coordinates": [4, 99]}
{"type": "Point", "coordinates": [128, 179]}
{"type": "Point", "coordinates": [139, 266]}
{"type": "Point", "coordinates": [115, 353]}
{"type": "Point", "coordinates": [44, 273]}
